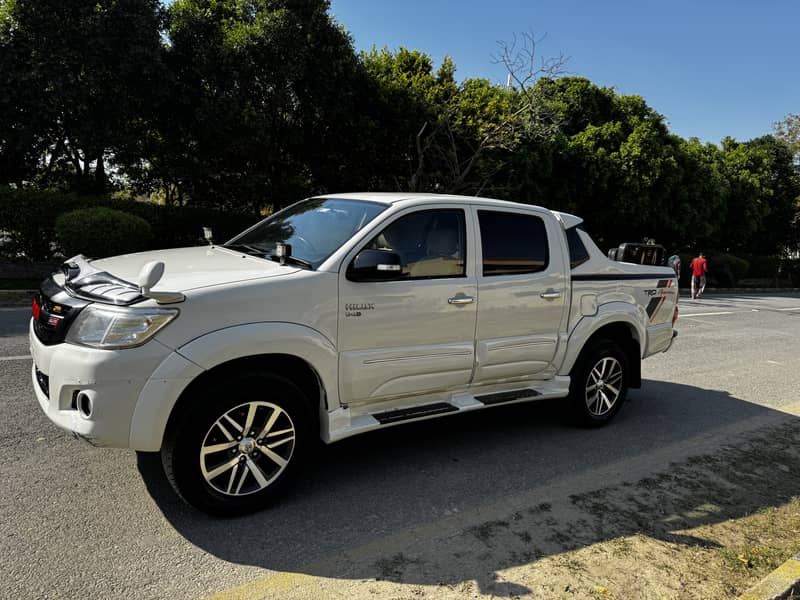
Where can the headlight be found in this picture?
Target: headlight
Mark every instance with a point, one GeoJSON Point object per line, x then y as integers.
{"type": "Point", "coordinates": [109, 327]}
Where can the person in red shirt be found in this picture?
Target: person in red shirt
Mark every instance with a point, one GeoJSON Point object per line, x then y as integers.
{"type": "Point", "coordinates": [699, 268]}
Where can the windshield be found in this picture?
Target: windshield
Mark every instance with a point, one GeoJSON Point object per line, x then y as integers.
{"type": "Point", "coordinates": [314, 228]}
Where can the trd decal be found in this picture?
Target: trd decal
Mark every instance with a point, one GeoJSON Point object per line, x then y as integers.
{"type": "Point", "coordinates": [658, 296]}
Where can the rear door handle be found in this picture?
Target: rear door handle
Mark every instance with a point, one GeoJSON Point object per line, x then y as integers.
{"type": "Point", "coordinates": [550, 295]}
{"type": "Point", "coordinates": [461, 300]}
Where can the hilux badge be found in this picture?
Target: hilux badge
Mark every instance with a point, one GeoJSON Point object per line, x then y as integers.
{"type": "Point", "coordinates": [354, 309]}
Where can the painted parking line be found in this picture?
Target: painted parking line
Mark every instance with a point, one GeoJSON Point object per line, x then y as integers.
{"type": "Point", "coordinates": [792, 308]}
{"type": "Point", "coordinates": [23, 357]}
{"type": "Point", "coordinates": [708, 314]}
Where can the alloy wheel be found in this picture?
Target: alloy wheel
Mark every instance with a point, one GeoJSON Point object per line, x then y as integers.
{"type": "Point", "coordinates": [247, 448]}
{"type": "Point", "coordinates": [603, 386]}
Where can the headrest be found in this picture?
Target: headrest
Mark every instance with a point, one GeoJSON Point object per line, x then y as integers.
{"type": "Point", "coordinates": [442, 242]}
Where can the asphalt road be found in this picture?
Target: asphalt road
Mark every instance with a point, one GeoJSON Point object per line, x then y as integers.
{"type": "Point", "coordinates": [76, 521]}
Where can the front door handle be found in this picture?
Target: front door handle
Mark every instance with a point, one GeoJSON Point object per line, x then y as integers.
{"type": "Point", "coordinates": [457, 300]}
{"type": "Point", "coordinates": [550, 295]}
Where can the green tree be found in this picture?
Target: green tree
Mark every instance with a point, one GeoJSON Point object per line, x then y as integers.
{"type": "Point", "coordinates": [264, 102]}
{"type": "Point", "coordinates": [612, 161]}
{"type": "Point", "coordinates": [762, 204]}
{"type": "Point", "coordinates": [76, 78]}
{"type": "Point", "coordinates": [411, 101]}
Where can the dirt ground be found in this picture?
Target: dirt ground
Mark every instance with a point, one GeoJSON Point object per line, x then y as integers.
{"type": "Point", "coordinates": [707, 528]}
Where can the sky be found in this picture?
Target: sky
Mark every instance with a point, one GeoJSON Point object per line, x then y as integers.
{"type": "Point", "coordinates": [713, 68]}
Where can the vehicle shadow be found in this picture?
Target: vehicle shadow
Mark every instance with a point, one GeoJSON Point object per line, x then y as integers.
{"type": "Point", "coordinates": [426, 502]}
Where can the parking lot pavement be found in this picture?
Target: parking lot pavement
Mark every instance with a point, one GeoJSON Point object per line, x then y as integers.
{"type": "Point", "coordinates": [84, 522]}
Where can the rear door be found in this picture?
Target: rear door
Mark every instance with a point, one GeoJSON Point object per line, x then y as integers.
{"type": "Point", "coordinates": [522, 291]}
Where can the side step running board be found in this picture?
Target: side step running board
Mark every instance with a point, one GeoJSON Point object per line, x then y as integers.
{"type": "Point", "coordinates": [501, 397]}
{"type": "Point", "coordinates": [346, 421]}
{"type": "Point", "coordinates": [403, 414]}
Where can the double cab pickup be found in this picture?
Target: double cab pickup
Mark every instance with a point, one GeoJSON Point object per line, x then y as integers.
{"type": "Point", "coordinates": [338, 315]}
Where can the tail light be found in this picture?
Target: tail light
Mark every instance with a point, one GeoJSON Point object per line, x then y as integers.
{"type": "Point", "coordinates": [36, 310]}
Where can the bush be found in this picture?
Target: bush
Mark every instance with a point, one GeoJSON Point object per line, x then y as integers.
{"type": "Point", "coordinates": [725, 270]}
{"type": "Point", "coordinates": [98, 232]}
{"type": "Point", "coordinates": [790, 268]}
{"type": "Point", "coordinates": [763, 267]}
{"type": "Point", "coordinates": [30, 216]}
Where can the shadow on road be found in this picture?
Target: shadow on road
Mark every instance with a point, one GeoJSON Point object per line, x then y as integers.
{"type": "Point", "coordinates": [425, 503]}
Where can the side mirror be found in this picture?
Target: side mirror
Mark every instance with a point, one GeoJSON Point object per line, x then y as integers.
{"type": "Point", "coordinates": [150, 275]}
{"type": "Point", "coordinates": [375, 265]}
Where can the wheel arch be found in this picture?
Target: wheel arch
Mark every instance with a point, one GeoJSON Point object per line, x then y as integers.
{"type": "Point", "coordinates": [293, 368]}
{"type": "Point", "coordinates": [296, 352]}
{"type": "Point", "coordinates": [619, 327]}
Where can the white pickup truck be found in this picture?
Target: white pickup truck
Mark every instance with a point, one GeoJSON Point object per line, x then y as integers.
{"type": "Point", "coordinates": [338, 315]}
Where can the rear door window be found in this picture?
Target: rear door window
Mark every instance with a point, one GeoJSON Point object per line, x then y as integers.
{"type": "Point", "coordinates": [513, 243]}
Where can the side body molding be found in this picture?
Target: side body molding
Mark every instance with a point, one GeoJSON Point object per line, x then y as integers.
{"type": "Point", "coordinates": [607, 314]}
{"type": "Point", "coordinates": [162, 390]}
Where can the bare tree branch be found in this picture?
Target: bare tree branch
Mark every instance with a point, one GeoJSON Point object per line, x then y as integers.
{"type": "Point", "coordinates": [525, 68]}
{"type": "Point", "coordinates": [414, 181]}
{"type": "Point", "coordinates": [442, 144]}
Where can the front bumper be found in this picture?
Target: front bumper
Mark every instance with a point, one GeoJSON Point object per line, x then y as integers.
{"type": "Point", "coordinates": [111, 379]}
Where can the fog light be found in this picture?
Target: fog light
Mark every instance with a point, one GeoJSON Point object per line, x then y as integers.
{"type": "Point", "coordinates": [84, 405]}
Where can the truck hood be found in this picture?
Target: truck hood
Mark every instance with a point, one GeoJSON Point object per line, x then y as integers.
{"type": "Point", "coordinates": [191, 268]}
{"type": "Point", "coordinates": [114, 280]}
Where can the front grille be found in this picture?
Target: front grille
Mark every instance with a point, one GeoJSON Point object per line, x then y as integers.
{"type": "Point", "coordinates": [57, 310]}
{"type": "Point", "coordinates": [51, 326]}
{"type": "Point", "coordinates": [44, 382]}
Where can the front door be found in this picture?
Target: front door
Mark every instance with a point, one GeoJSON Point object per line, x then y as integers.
{"type": "Point", "coordinates": [522, 287]}
{"type": "Point", "coordinates": [413, 335]}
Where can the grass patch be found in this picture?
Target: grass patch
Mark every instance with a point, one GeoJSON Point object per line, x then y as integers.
{"type": "Point", "coordinates": [747, 558]}
{"type": "Point", "coordinates": [770, 537]}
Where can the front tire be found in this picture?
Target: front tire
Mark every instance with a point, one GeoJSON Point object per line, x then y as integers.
{"type": "Point", "coordinates": [599, 383]}
{"type": "Point", "coordinates": [239, 443]}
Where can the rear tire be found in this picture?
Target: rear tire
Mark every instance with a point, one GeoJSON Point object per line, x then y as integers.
{"type": "Point", "coordinates": [599, 383]}
{"type": "Point", "coordinates": [239, 443]}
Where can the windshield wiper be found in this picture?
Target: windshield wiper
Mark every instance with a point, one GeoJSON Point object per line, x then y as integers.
{"type": "Point", "coordinates": [292, 259]}
{"type": "Point", "coordinates": [248, 248]}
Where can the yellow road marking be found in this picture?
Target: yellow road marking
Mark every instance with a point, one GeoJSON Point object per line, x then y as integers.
{"type": "Point", "coordinates": [275, 586]}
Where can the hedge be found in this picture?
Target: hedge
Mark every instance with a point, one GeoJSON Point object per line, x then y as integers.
{"type": "Point", "coordinates": [724, 270]}
{"type": "Point", "coordinates": [99, 232]}
{"type": "Point", "coordinates": [30, 217]}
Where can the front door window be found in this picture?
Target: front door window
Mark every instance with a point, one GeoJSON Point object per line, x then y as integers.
{"type": "Point", "coordinates": [430, 243]}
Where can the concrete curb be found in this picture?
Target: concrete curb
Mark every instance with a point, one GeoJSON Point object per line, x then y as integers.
{"type": "Point", "coordinates": [16, 298]}
{"type": "Point", "coordinates": [780, 584]}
